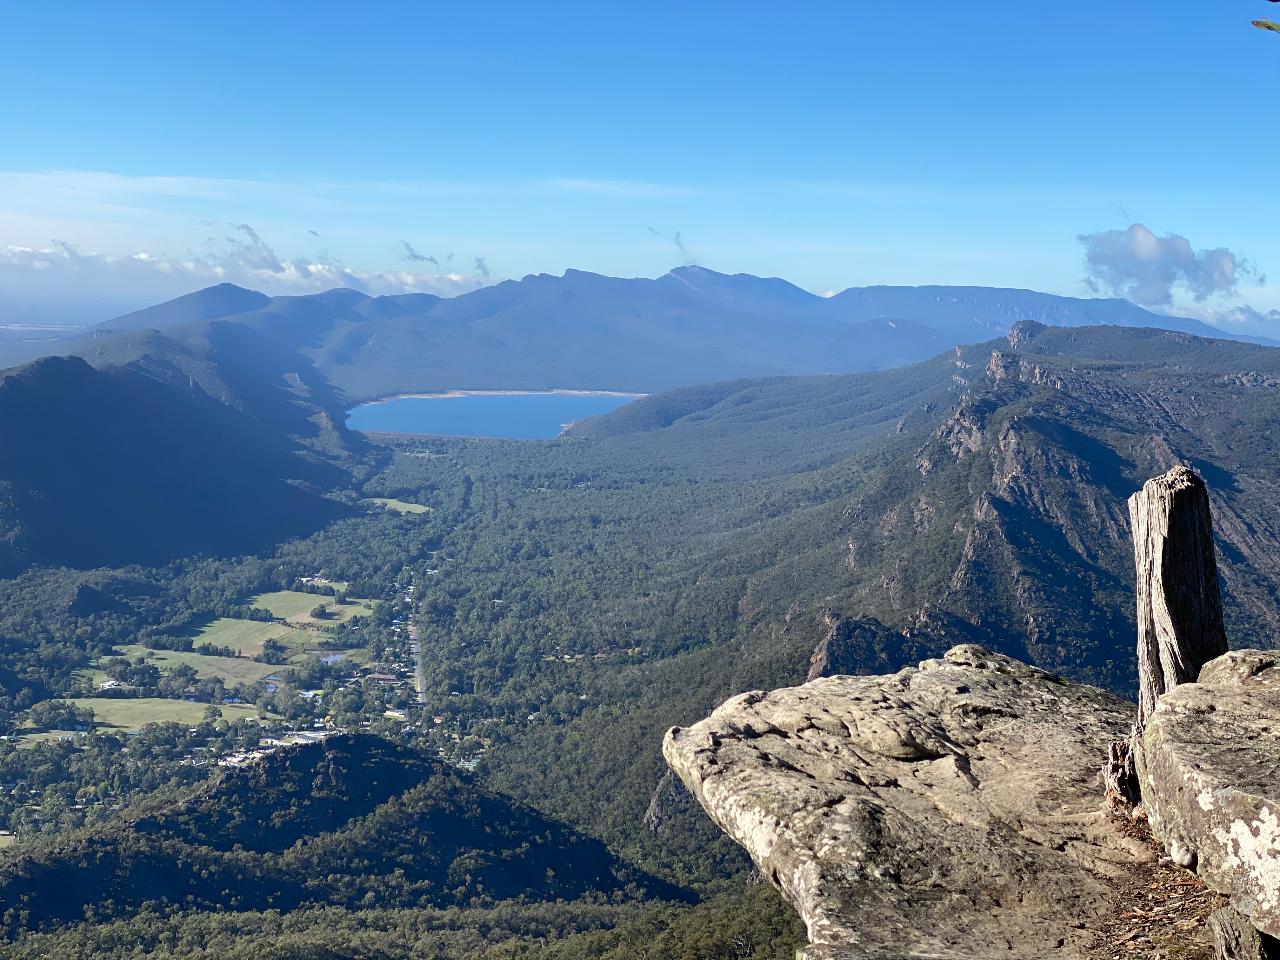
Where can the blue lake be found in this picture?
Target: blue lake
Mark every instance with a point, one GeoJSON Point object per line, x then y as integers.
{"type": "Point", "coordinates": [516, 416]}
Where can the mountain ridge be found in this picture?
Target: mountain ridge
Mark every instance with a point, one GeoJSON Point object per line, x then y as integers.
{"type": "Point", "coordinates": [585, 330]}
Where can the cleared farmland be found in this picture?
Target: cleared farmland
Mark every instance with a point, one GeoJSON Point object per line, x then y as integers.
{"type": "Point", "coordinates": [400, 506]}
{"type": "Point", "coordinates": [133, 714]}
{"type": "Point", "coordinates": [243, 636]}
{"type": "Point", "coordinates": [295, 607]}
{"type": "Point", "coordinates": [233, 671]}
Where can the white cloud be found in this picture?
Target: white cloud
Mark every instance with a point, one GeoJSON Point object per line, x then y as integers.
{"type": "Point", "coordinates": [244, 259]}
{"type": "Point", "coordinates": [1151, 270]}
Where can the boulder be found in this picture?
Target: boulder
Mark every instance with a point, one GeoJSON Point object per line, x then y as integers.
{"type": "Point", "coordinates": [951, 810]}
{"type": "Point", "coordinates": [1208, 764]}
{"type": "Point", "coordinates": [1235, 938]}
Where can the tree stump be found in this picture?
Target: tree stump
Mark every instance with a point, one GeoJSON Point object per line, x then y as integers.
{"type": "Point", "coordinates": [1179, 603]}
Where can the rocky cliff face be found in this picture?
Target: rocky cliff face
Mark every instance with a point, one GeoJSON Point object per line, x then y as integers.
{"type": "Point", "coordinates": [949, 810]}
{"type": "Point", "coordinates": [955, 810]}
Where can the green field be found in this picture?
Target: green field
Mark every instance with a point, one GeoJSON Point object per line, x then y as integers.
{"type": "Point", "coordinates": [234, 671]}
{"type": "Point", "coordinates": [243, 636]}
{"type": "Point", "coordinates": [132, 714]}
{"type": "Point", "coordinates": [400, 506]}
{"type": "Point", "coordinates": [340, 585]}
{"type": "Point", "coordinates": [301, 644]}
{"type": "Point", "coordinates": [295, 607]}
{"type": "Point", "coordinates": [287, 603]}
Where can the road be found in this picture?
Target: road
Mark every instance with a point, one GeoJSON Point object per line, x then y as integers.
{"type": "Point", "coordinates": [415, 645]}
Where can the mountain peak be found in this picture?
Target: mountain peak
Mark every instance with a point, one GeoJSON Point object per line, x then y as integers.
{"type": "Point", "coordinates": [210, 303]}
{"type": "Point", "coordinates": [735, 286]}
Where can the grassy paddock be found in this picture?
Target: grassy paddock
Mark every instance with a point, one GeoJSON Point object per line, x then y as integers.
{"type": "Point", "coordinates": [399, 506]}
{"type": "Point", "coordinates": [133, 714]}
{"type": "Point", "coordinates": [243, 636]}
{"type": "Point", "coordinates": [234, 671]}
{"type": "Point", "coordinates": [295, 608]}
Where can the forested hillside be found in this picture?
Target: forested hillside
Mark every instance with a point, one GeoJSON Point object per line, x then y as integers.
{"type": "Point", "coordinates": [706, 542]}
{"type": "Point", "coordinates": [144, 462]}
{"type": "Point", "coordinates": [345, 821]}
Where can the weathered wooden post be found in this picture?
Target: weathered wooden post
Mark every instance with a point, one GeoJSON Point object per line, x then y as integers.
{"type": "Point", "coordinates": [1179, 604]}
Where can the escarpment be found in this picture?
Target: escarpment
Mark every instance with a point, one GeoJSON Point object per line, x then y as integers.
{"type": "Point", "coordinates": [955, 809]}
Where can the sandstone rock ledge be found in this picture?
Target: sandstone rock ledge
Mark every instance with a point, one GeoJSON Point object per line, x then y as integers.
{"type": "Point", "coordinates": [1209, 766]}
{"type": "Point", "coordinates": [951, 810]}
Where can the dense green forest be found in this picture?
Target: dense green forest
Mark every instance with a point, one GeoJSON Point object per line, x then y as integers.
{"type": "Point", "coordinates": [575, 598]}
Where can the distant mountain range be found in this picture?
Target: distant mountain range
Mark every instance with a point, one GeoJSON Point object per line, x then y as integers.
{"type": "Point", "coordinates": [586, 331]}
{"type": "Point", "coordinates": [238, 400]}
{"type": "Point", "coordinates": [744, 533]}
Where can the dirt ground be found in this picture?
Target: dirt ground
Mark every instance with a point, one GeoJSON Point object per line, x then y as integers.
{"type": "Point", "coordinates": [1165, 914]}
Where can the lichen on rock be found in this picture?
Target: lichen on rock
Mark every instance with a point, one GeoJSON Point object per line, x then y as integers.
{"type": "Point", "coordinates": [1209, 766]}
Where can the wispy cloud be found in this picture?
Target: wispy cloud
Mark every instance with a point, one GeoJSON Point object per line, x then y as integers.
{"type": "Point", "coordinates": [677, 240]}
{"type": "Point", "coordinates": [414, 256]}
{"type": "Point", "coordinates": [242, 257]}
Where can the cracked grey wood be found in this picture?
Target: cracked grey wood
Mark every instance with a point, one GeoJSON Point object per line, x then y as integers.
{"type": "Point", "coordinates": [1179, 603]}
{"type": "Point", "coordinates": [1235, 938]}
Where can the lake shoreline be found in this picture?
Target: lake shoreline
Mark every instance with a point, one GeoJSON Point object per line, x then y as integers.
{"type": "Point", "coordinates": [496, 414]}
{"type": "Point", "coordinates": [456, 394]}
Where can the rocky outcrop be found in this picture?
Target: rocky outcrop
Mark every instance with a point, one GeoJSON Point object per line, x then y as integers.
{"type": "Point", "coordinates": [1209, 767]}
{"type": "Point", "coordinates": [669, 803]}
{"type": "Point", "coordinates": [950, 810]}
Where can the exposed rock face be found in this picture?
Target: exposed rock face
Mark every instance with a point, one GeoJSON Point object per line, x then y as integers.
{"type": "Point", "coordinates": [1235, 938]}
{"type": "Point", "coordinates": [950, 810]}
{"type": "Point", "coordinates": [1209, 767]}
{"type": "Point", "coordinates": [669, 802]}
{"type": "Point", "coordinates": [848, 643]}
{"type": "Point", "coordinates": [860, 645]}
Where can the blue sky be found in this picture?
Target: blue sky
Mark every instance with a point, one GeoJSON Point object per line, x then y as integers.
{"type": "Point", "coordinates": [834, 144]}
